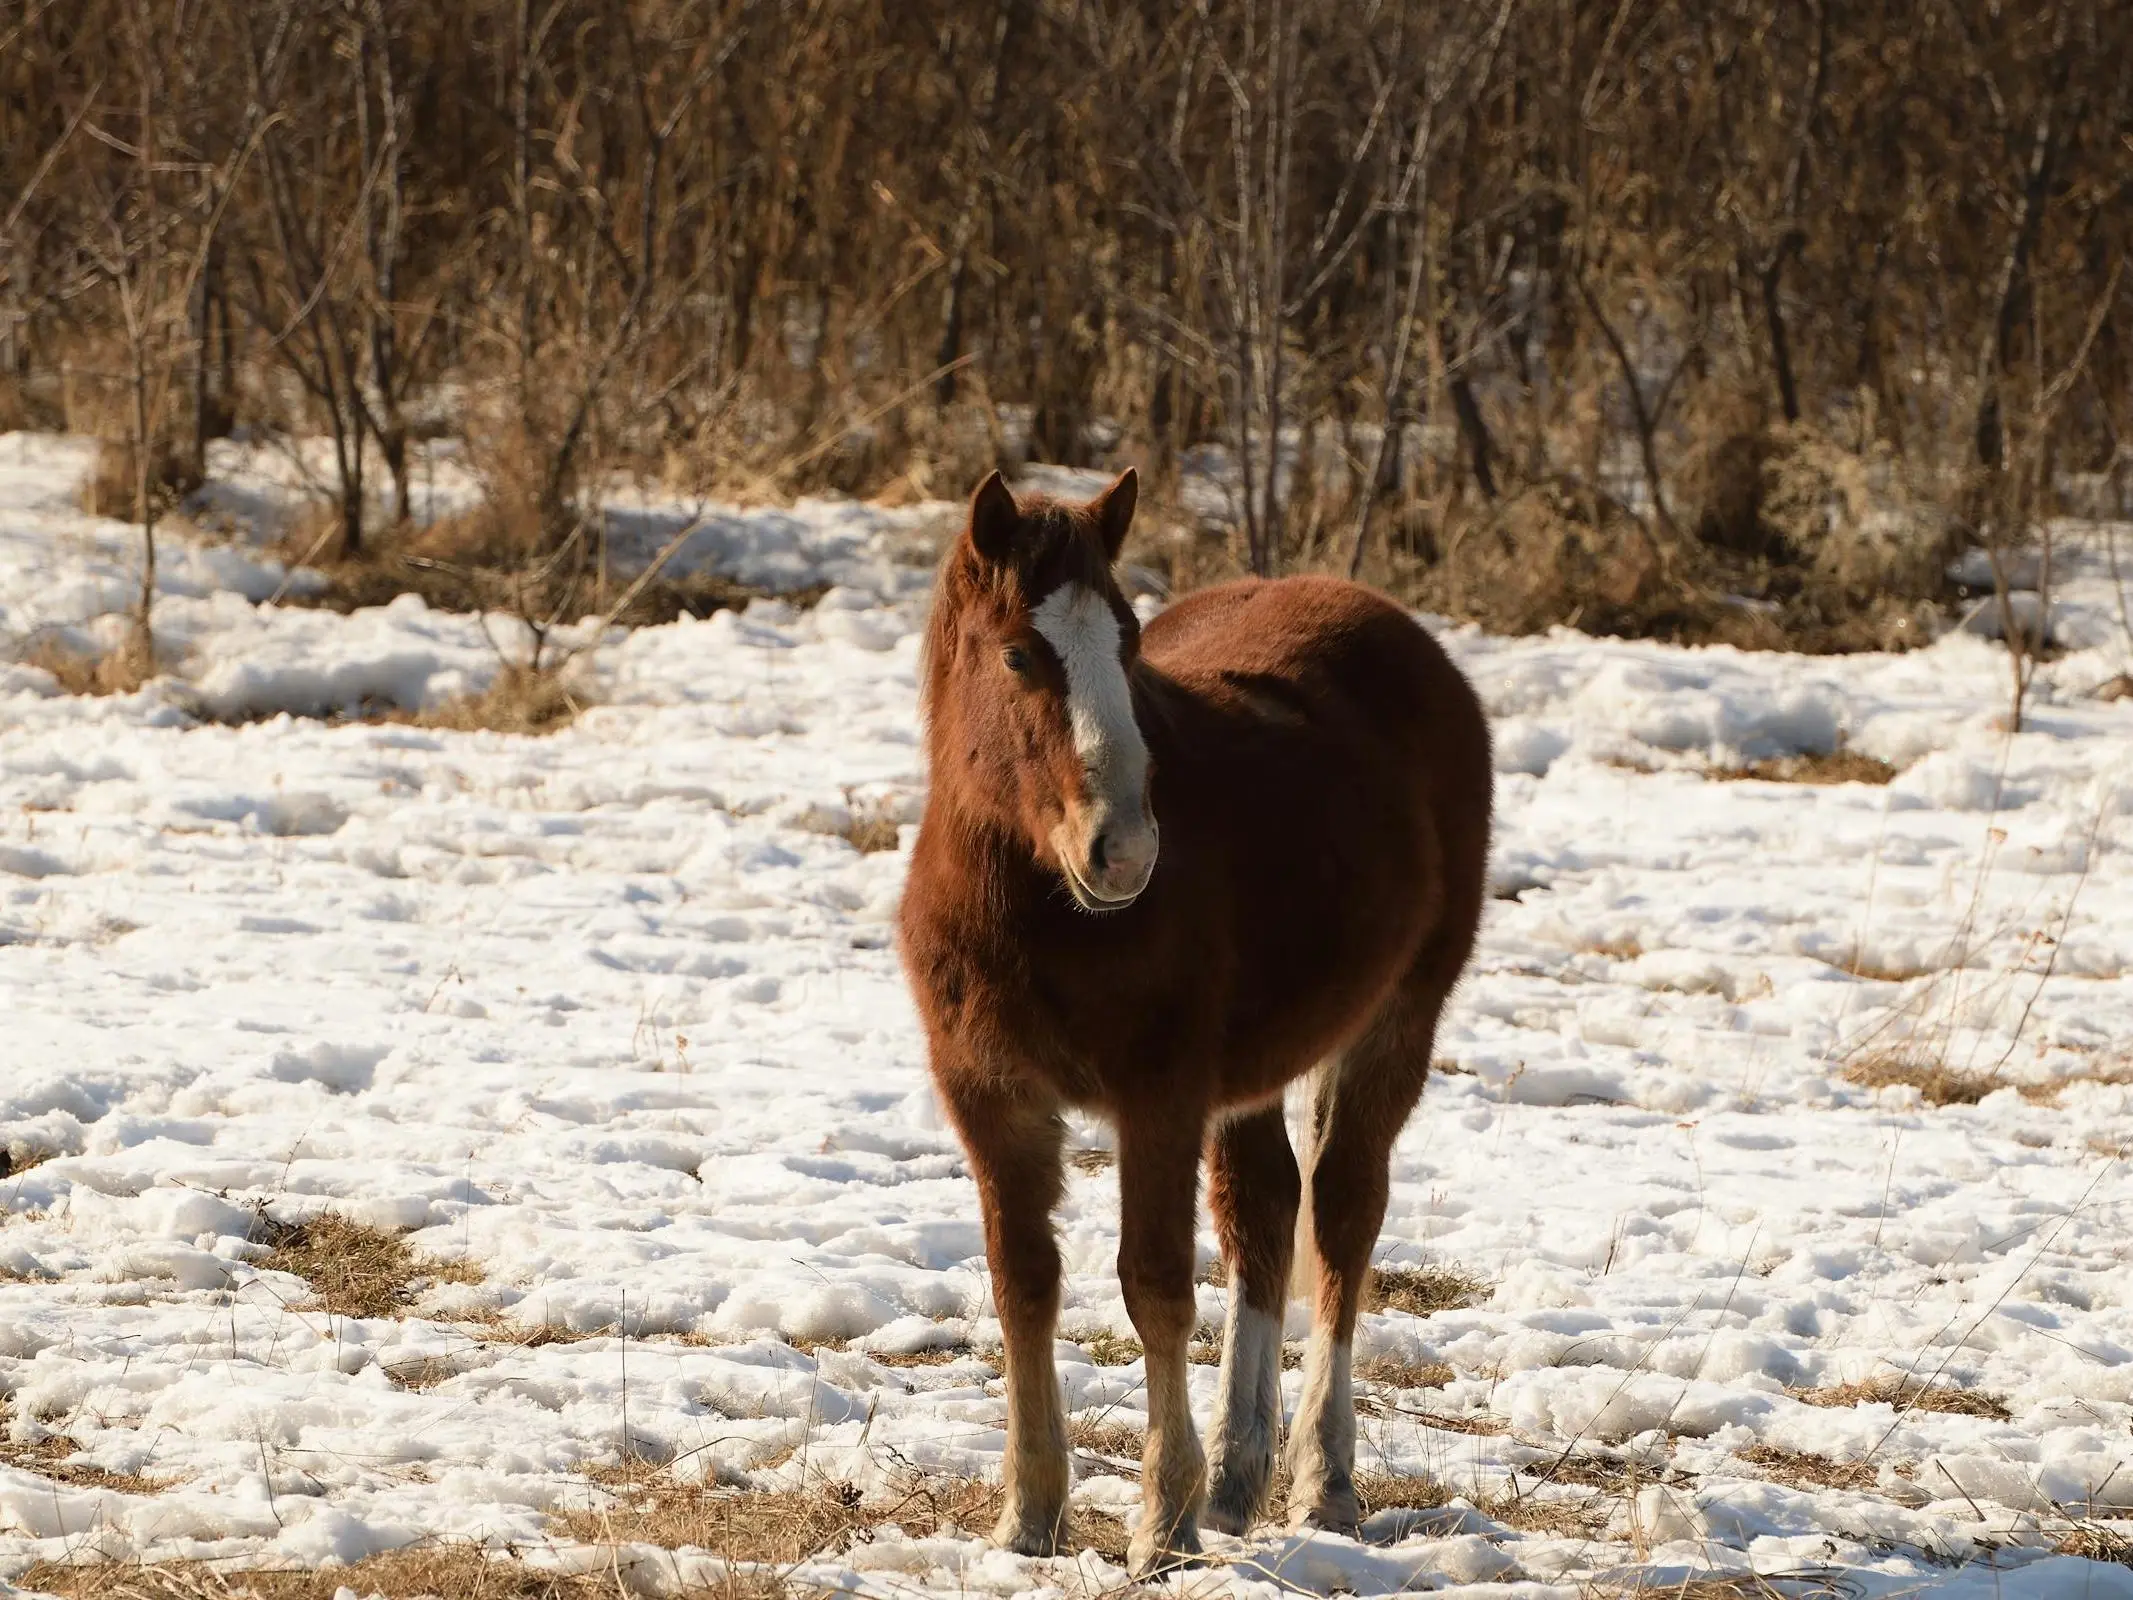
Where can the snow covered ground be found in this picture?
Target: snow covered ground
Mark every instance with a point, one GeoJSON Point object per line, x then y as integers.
{"type": "Point", "coordinates": [613, 1017]}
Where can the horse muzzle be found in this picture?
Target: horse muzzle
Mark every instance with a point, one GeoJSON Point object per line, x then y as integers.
{"type": "Point", "coordinates": [1108, 860]}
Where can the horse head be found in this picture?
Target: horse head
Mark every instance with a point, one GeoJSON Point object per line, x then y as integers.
{"type": "Point", "coordinates": [1029, 699]}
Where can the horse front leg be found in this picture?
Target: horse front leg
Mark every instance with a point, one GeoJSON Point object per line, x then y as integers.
{"type": "Point", "coordinates": [1158, 1189]}
{"type": "Point", "coordinates": [1014, 1138]}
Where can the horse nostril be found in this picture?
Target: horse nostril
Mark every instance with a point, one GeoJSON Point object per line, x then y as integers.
{"type": "Point", "coordinates": [1099, 852]}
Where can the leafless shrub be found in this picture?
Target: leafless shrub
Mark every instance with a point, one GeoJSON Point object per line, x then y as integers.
{"type": "Point", "coordinates": [1851, 516]}
{"type": "Point", "coordinates": [1441, 281]}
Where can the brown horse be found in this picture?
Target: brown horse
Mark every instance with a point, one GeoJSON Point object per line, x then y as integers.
{"type": "Point", "coordinates": [1320, 773]}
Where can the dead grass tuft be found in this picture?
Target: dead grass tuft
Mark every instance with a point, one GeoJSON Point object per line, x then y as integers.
{"type": "Point", "coordinates": [1097, 1437]}
{"type": "Point", "coordinates": [938, 1356]}
{"type": "Point", "coordinates": [14, 1162]}
{"type": "Point", "coordinates": [1479, 1426]}
{"type": "Point", "coordinates": [1882, 972]}
{"type": "Point", "coordinates": [48, 1459]}
{"type": "Point", "coordinates": [2099, 1541]}
{"type": "Point", "coordinates": [787, 1526]}
{"type": "Point", "coordinates": [1800, 1469]}
{"type": "Point", "coordinates": [518, 700]}
{"type": "Point", "coordinates": [1418, 1291]}
{"type": "Point", "coordinates": [426, 1570]}
{"type": "Point", "coordinates": [1908, 1394]}
{"type": "Point", "coordinates": [1729, 1586]}
{"type": "Point", "coordinates": [1398, 1374]}
{"type": "Point", "coordinates": [1556, 1515]}
{"type": "Point", "coordinates": [1105, 1348]}
{"type": "Point", "coordinates": [872, 829]}
{"type": "Point", "coordinates": [1937, 1083]}
{"type": "Point", "coordinates": [354, 1269]}
{"type": "Point", "coordinates": [2048, 1092]}
{"type": "Point", "coordinates": [475, 564]}
{"type": "Point", "coordinates": [1093, 1160]}
{"type": "Point", "coordinates": [110, 489]}
{"type": "Point", "coordinates": [1838, 766]}
{"type": "Point", "coordinates": [121, 669]}
{"type": "Point", "coordinates": [425, 1373]}
{"type": "Point", "coordinates": [1399, 1492]}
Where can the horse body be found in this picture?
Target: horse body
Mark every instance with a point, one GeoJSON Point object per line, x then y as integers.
{"type": "Point", "coordinates": [1320, 775]}
{"type": "Point", "coordinates": [1301, 865]}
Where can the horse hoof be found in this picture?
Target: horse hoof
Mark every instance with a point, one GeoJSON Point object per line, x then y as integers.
{"type": "Point", "coordinates": [1345, 1520]}
{"type": "Point", "coordinates": [1232, 1508]}
{"type": "Point", "coordinates": [1233, 1520]}
{"type": "Point", "coordinates": [1150, 1555]}
{"type": "Point", "coordinates": [1027, 1536]}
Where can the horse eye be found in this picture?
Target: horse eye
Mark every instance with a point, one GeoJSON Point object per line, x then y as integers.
{"type": "Point", "coordinates": [1015, 658]}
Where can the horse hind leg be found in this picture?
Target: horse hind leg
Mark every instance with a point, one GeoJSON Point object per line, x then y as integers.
{"type": "Point", "coordinates": [1254, 1190]}
{"type": "Point", "coordinates": [1359, 1102]}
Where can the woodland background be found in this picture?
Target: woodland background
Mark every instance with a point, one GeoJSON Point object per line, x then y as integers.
{"type": "Point", "coordinates": [1727, 319]}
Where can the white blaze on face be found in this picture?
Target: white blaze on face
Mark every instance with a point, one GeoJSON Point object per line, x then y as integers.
{"type": "Point", "coordinates": [1079, 625]}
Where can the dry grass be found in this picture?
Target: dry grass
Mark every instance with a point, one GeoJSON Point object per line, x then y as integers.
{"type": "Point", "coordinates": [2099, 1541]}
{"type": "Point", "coordinates": [1802, 1470]}
{"type": "Point", "coordinates": [110, 489]}
{"type": "Point", "coordinates": [518, 700]}
{"type": "Point", "coordinates": [121, 669]}
{"type": "Point", "coordinates": [1837, 766]}
{"type": "Point", "coordinates": [15, 1163]}
{"type": "Point", "coordinates": [1093, 1160]}
{"type": "Point", "coordinates": [1387, 1492]}
{"type": "Point", "coordinates": [354, 1269]}
{"type": "Point", "coordinates": [48, 1459]}
{"type": "Point", "coordinates": [1882, 972]}
{"type": "Point", "coordinates": [1937, 1083]}
{"type": "Point", "coordinates": [940, 1356]}
{"type": "Point", "coordinates": [1478, 1426]}
{"type": "Point", "coordinates": [2048, 1092]}
{"type": "Point", "coordinates": [787, 1526]}
{"type": "Point", "coordinates": [1105, 1348]}
{"type": "Point", "coordinates": [1552, 1516]}
{"type": "Point", "coordinates": [1907, 1394]}
{"type": "Point", "coordinates": [424, 1373]}
{"type": "Point", "coordinates": [474, 564]}
{"type": "Point", "coordinates": [1418, 1291]}
{"type": "Point", "coordinates": [461, 1571]}
{"type": "Point", "coordinates": [1097, 1437]}
{"type": "Point", "coordinates": [1731, 1586]}
{"type": "Point", "coordinates": [872, 829]}
{"type": "Point", "coordinates": [1398, 1374]}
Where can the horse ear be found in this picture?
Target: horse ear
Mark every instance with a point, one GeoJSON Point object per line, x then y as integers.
{"type": "Point", "coordinates": [994, 517]}
{"type": "Point", "coordinates": [1114, 510]}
